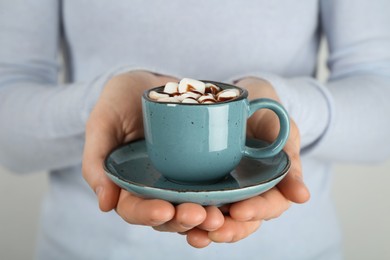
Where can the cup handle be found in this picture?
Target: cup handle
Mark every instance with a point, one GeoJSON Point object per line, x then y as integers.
{"type": "Point", "coordinates": [284, 131]}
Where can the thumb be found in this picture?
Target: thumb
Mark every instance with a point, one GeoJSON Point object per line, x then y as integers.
{"type": "Point", "coordinates": [292, 186]}
{"type": "Point", "coordinates": [99, 142]}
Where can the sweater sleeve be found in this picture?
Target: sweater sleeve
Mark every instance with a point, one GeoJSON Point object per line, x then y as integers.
{"type": "Point", "coordinates": [359, 62]}
{"type": "Point", "coordinates": [346, 119]}
{"type": "Point", "coordinates": [42, 122]}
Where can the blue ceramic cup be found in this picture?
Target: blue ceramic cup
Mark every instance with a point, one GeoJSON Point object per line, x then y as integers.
{"type": "Point", "coordinates": [203, 143]}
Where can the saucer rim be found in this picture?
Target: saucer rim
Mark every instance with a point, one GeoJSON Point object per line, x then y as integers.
{"type": "Point", "coordinates": [205, 198]}
{"type": "Point", "coordinates": [281, 175]}
{"type": "Point", "coordinates": [232, 190]}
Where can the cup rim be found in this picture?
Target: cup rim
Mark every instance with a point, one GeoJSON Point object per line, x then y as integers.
{"type": "Point", "coordinates": [243, 95]}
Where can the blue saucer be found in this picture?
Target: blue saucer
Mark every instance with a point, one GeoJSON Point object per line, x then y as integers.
{"type": "Point", "coordinates": [130, 168]}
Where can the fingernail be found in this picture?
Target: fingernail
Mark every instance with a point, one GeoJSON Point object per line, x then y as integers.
{"type": "Point", "coordinates": [246, 219]}
{"type": "Point", "coordinates": [186, 226]}
{"type": "Point", "coordinates": [299, 179]}
{"type": "Point", "coordinates": [157, 223]}
{"type": "Point", "coordinates": [98, 191]}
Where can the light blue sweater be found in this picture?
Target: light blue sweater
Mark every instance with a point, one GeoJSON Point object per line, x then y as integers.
{"type": "Point", "coordinates": [42, 121]}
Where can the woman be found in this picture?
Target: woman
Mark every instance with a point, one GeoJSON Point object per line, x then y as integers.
{"type": "Point", "coordinates": [115, 50]}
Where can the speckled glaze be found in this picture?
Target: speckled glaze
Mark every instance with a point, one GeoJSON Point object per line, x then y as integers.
{"type": "Point", "coordinates": [195, 143]}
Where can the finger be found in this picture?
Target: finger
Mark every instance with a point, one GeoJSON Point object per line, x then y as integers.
{"type": "Point", "coordinates": [267, 206]}
{"type": "Point", "coordinates": [198, 238]}
{"type": "Point", "coordinates": [99, 142]}
{"type": "Point", "coordinates": [214, 219]}
{"type": "Point", "coordinates": [225, 209]}
{"type": "Point", "coordinates": [187, 216]}
{"type": "Point", "coordinates": [233, 231]}
{"type": "Point", "coordinates": [138, 211]}
{"type": "Point", "coordinates": [161, 79]}
{"type": "Point", "coordinates": [292, 186]}
{"type": "Point", "coordinates": [167, 78]}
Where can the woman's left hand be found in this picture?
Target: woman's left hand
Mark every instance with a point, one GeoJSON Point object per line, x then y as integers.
{"type": "Point", "coordinates": [245, 217]}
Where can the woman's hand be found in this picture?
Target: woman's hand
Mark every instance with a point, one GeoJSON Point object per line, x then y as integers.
{"type": "Point", "coordinates": [264, 125]}
{"type": "Point", "coordinates": [245, 217]}
{"type": "Point", "coordinates": [115, 120]}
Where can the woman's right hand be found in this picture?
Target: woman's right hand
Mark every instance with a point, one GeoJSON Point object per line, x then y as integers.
{"type": "Point", "coordinates": [117, 119]}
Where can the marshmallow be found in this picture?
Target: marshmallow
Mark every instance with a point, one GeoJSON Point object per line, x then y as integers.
{"type": "Point", "coordinates": [171, 87]}
{"type": "Point", "coordinates": [190, 94]}
{"type": "Point", "coordinates": [193, 91]}
{"type": "Point", "coordinates": [211, 88]}
{"type": "Point", "coordinates": [189, 101]}
{"type": "Point", "coordinates": [228, 94]}
{"type": "Point", "coordinates": [206, 99]}
{"type": "Point", "coordinates": [157, 95]}
{"type": "Point", "coordinates": [209, 102]}
{"type": "Point", "coordinates": [187, 84]}
{"type": "Point", "coordinates": [168, 99]}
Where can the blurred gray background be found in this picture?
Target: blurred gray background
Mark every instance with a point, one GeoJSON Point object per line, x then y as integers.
{"type": "Point", "coordinates": [361, 193]}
